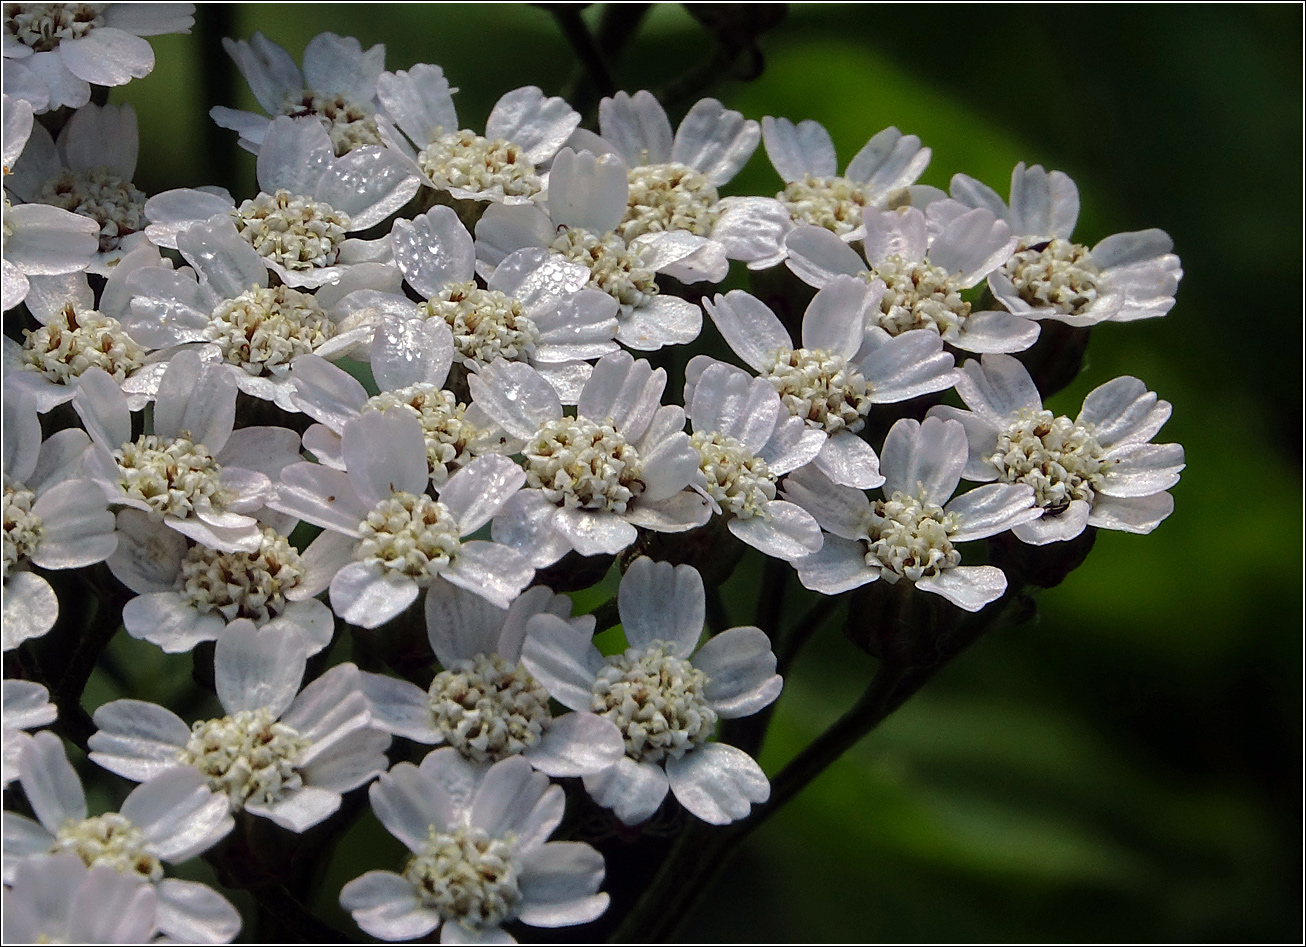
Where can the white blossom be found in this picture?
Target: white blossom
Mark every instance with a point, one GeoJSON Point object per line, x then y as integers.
{"type": "Point", "coordinates": [480, 855]}
{"type": "Point", "coordinates": [665, 694]}
{"type": "Point", "coordinates": [26, 704]}
{"type": "Point", "coordinates": [1100, 469]}
{"type": "Point", "coordinates": [56, 899]}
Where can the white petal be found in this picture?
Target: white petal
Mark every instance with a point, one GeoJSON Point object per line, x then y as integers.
{"type": "Point", "coordinates": [661, 321]}
{"type": "Point", "coordinates": [196, 397]}
{"type": "Point", "coordinates": [888, 161]}
{"type": "Point", "coordinates": [988, 510]}
{"type": "Point", "coordinates": [740, 667]}
{"type": "Point", "coordinates": [177, 814]}
{"type": "Point", "coordinates": [786, 531]}
{"type": "Point", "coordinates": [715, 140]}
{"type": "Point", "coordinates": [51, 785]}
{"type": "Point", "coordinates": [477, 492]}
{"type": "Point", "coordinates": [30, 608]}
{"type": "Point", "coordinates": [752, 229]}
{"type": "Point", "coordinates": [924, 459]}
{"type": "Point", "coordinates": [385, 454]}
{"type": "Point", "coordinates": [594, 532]}
{"type": "Point", "coordinates": [718, 783]}
{"type": "Point", "coordinates": [797, 151]}
{"type": "Point", "coordinates": [1123, 412]}
{"type": "Point", "coordinates": [972, 245]}
{"type": "Point", "coordinates": [1132, 514]}
{"type": "Point", "coordinates": [433, 250]}
{"type": "Point", "coordinates": [968, 587]}
{"type": "Point", "coordinates": [841, 510]}
{"type": "Point", "coordinates": [838, 566]}
{"type": "Point", "coordinates": [516, 397]}
{"type": "Point", "coordinates": [493, 570]}
{"type": "Point", "coordinates": [748, 326]}
{"type": "Point", "coordinates": [661, 602]}
{"type": "Point", "coordinates": [137, 739]}
{"type": "Point", "coordinates": [190, 912]}
{"type": "Point", "coordinates": [410, 805]}
{"type": "Point", "coordinates": [400, 707]}
{"type": "Point", "coordinates": [633, 791]}
{"type": "Point", "coordinates": [577, 744]}
{"type": "Point", "coordinates": [258, 668]}
{"type": "Point", "coordinates": [1139, 471]}
{"type": "Point", "coordinates": [558, 885]}
{"type": "Point", "coordinates": [893, 233]}
{"type": "Point", "coordinates": [587, 191]}
{"type": "Point", "coordinates": [625, 391]}
{"type": "Point", "coordinates": [849, 461]}
{"type": "Point", "coordinates": [1054, 529]}
{"type": "Point", "coordinates": [637, 127]}
{"type": "Point", "coordinates": [817, 256]}
{"type": "Point", "coordinates": [166, 620]}
{"type": "Point", "coordinates": [836, 316]}
{"type": "Point", "coordinates": [906, 366]}
{"type": "Point", "coordinates": [107, 56]}
{"type": "Point", "coordinates": [385, 905]}
{"type": "Point", "coordinates": [538, 124]}
{"type": "Point", "coordinates": [526, 524]}
{"type": "Point", "coordinates": [368, 596]}
{"type": "Point", "coordinates": [562, 658]}
{"type": "Point", "coordinates": [299, 810]}
{"type": "Point", "coordinates": [112, 908]}
{"type": "Point", "coordinates": [419, 101]}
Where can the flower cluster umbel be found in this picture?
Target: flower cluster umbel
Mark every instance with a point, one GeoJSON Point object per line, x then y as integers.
{"type": "Point", "coordinates": [415, 389]}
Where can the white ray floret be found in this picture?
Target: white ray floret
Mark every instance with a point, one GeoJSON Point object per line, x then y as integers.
{"type": "Point", "coordinates": [310, 200]}
{"type": "Point", "coordinates": [674, 181]}
{"type": "Point", "coordinates": [880, 174]}
{"type": "Point", "coordinates": [337, 87]}
{"type": "Point", "coordinates": [1122, 278]}
{"type": "Point", "coordinates": [279, 752]}
{"type": "Point", "coordinates": [746, 440]}
{"type": "Point", "coordinates": [1101, 469]}
{"type": "Point", "coordinates": [910, 534]}
{"type": "Point", "coordinates": [622, 462]}
{"type": "Point", "coordinates": [192, 471]}
{"type": "Point", "coordinates": [665, 694]}
{"type": "Point", "coordinates": [846, 364]}
{"type": "Point", "coordinates": [65, 48]}
{"type": "Point", "coordinates": [480, 855]}
{"type": "Point", "coordinates": [587, 200]}
{"type": "Point", "coordinates": [54, 517]}
{"type": "Point", "coordinates": [89, 172]}
{"type": "Point", "coordinates": [170, 818]}
{"type": "Point", "coordinates": [536, 307]}
{"type": "Point", "coordinates": [485, 704]}
{"type": "Point", "coordinates": [386, 539]}
{"type": "Point", "coordinates": [505, 165]}
{"type": "Point", "coordinates": [926, 264]}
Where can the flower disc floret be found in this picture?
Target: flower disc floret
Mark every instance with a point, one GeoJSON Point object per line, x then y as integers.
{"type": "Point", "coordinates": [833, 203]}
{"type": "Point", "coordinates": [614, 269]}
{"type": "Point", "coordinates": [467, 876]}
{"type": "Point", "coordinates": [656, 700]}
{"type": "Point", "coordinates": [249, 585]}
{"type": "Point", "coordinates": [486, 323]}
{"type": "Point", "coordinates": [43, 26]}
{"type": "Point", "coordinates": [173, 476]}
{"type": "Point", "coordinates": [820, 387]}
{"type": "Point", "coordinates": [1056, 273]}
{"type": "Point", "coordinates": [248, 757]}
{"type": "Point", "coordinates": [909, 537]}
{"type": "Point", "coordinates": [489, 708]}
{"type": "Point", "coordinates": [465, 160]}
{"type": "Point", "coordinates": [668, 197]}
{"type": "Point", "coordinates": [919, 296]}
{"type": "Point", "coordinates": [111, 840]}
{"type": "Point", "coordinates": [451, 440]}
{"type": "Point", "coordinates": [737, 479]}
{"type": "Point", "coordinates": [23, 529]}
{"type": "Point", "coordinates": [296, 232]}
{"type": "Point", "coordinates": [71, 342]}
{"type": "Point", "coordinates": [349, 124]}
{"type": "Point", "coordinates": [263, 329]}
{"type": "Point", "coordinates": [577, 462]}
{"type": "Point", "coordinates": [118, 206]}
{"type": "Point", "coordinates": [1060, 459]}
{"type": "Point", "coordinates": [410, 534]}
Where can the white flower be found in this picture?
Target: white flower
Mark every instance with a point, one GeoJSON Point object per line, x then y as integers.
{"type": "Point", "coordinates": [1122, 278]}
{"type": "Point", "coordinates": [68, 47]}
{"type": "Point", "coordinates": [310, 200]}
{"type": "Point", "coordinates": [535, 308]}
{"type": "Point", "coordinates": [803, 155]}
{"type": "Point", "coordinates": [665, 695]}
{"type": "Point", "coordinates": [410, 360]}
{"type": "Point", "coordinates": [280, 753]}
{"type": "Point", "coordinates": [623, 461]}
{"type": "Point", "coordinates": [54, 517]}
{"type": "Point", "coordinates": [674, 181]}
{"type": "Point", "coordinates": [523, 133]}
{"type": "Point", "coordinates": [56, 899]}
{"type": "Point", "coordinates": [1100, 469]}
{"type": "Point", "coordinates": [385, 538]}
{"type": "Point", "coordinates": [189, 593]}
{"type": "Point", "coordinates": [480, 855]}
{"type": "Point", "coordinates": [89, 172]}
{"type": "Point", "coordinates": [926, 262]}
{"type": "Point", "coordinates": [337, 86]}
{"type": "Point", "coordinates": [192, 471]}
{"type": "Point", "coordinates": [485, 704]}
{"type": "Point", "coordinates": [74, 337]}
{"type": "Point", "coordinates": [909, 535]}
{"type": "Point", "coordinates": [170, 818]}
{"type": "Point", "coordinates": [587, 199]}
{"type": "Point", "coordinates": [223, 299]}
{"type": "Point", "coordinates": [26, 704]}
{"type": "Point", "coordinates": [846, 364]}
{"type": "Point", "coordinates": [746, 440]}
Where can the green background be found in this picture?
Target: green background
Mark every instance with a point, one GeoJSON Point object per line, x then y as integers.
{"type": "Point", "coordinates": [1128, 766]}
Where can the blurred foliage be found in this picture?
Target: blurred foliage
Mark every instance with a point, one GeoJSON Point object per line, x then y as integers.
{"type": "Point", "coordinates": [1128, 767]}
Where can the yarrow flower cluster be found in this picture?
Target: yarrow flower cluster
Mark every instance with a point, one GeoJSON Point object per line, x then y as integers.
{"type": "Point", "coordinates": [397, 402]}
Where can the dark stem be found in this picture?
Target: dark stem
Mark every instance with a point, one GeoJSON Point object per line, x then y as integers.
{"type": "Point", "coordinates": [218, 164]}
{"type": "Point", "coordinates": [597, 77]}
{"type": "Point", "coordinates": [718, 619]}
{"type": "Point", "coordinates": [775, 581]}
